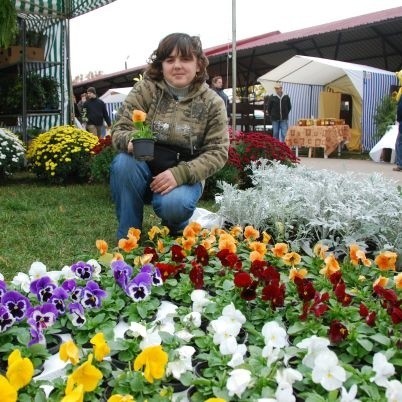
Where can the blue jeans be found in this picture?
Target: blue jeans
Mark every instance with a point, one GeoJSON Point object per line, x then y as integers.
{"type": "Point", "coordinates": [279, 129]}
{"type": "Point", "coordinates": [398, 147]}
{"type": "Point", "coordinates": [129, 185]}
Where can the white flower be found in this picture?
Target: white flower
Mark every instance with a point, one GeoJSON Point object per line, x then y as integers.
{"type": "Point", "coordinates": [137, 329]}
{"type": "Point", "coordinates": [166, 310]}
{"type": "Point", "coordinates": [271, 354]}
{"type": "Point", "coordinates": [349, 396]}
{"type": "Point", "coordinates": [200, 299]}
{"type": "Point", "coordinates": [274, 335]}
{"type": "Point", "coordinates": [224, 326]}
{"type": "Point", "coordinates": [186, 352]}
{"type": "Point", "coordinates": [185, 335]}
{"type": "Point", "coordinates": [382, 368]}
{"type": "Point", "coordinates": [37, 270]}
{"type": "Point", "coordinates": [227, 345]}
{"type": "Point", "coordinates": [238, 356]}
{"type": "Point", "coordinates": [97, 268]}
{"type": "Point", "coordinates": [183, 363]}
{"type": "Point", "coordinates": [236, 316]}
{"type": "Point", "coordinates": [314, 345]}
{"type": "Point", "coordinates": [288, 376]}
{"type": "Point", "coordinates": [67, 273]}
{"type": "Point", "coordinates": [238, 381]}
{"type": "Point", "coordinates": [151, 339]}
{"type": "Point", "coordinates": [327, 372]}
{"type": "Point", "coordinates": [1, 277]}
{"type": "Point", "coordinates": [193, 318]}
{"type": "Point", "coordinates": [284, 393]}
{"type": "Point", "coordinates": [54, 276]}
{"type": "Point", "coordinates": [393, 391]}
{"type": "Point", "coordinates": [22, 281]}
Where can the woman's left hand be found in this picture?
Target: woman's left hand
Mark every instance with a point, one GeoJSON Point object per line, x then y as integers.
{"type": "Point", "coordinates": [163, 183]}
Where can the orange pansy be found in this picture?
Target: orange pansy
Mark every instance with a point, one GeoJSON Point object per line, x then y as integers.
{"type": "Point", "coordinates": [250, 233]}
{"type": "Point", "coordinates": [227, 242]}
{"type": "Point", "coordinates": [320, 250]}
{"type": "Point", "coordinates": [236, 231]}
{"type": "Point", "coordinates": [280, 249]}
{"type": "Point", "coordinates": [258, 246]}
{"type": "Point", "coordinates": [128, 244]}
{"type": "Point", "coordinates": [256, 256]}
{"type": "Point", "coordinates": [102, 246]}
{"type": "Point", "coordinates": [382, 281]}
{"type": "Point", "coordinates": [386, 261]}
{"type": "Point", "coordinates": [266, 238]}
{"type": "Point", "coordinates": [134, 232]}
{"type": "Point", "coordinates": [138, 116]}
{"type": "Point", "coordinates": [188, 243]}
{"type": "Point", "coordinates": [297, 273]}
{"type": "Point", "coordinates": [331, 266]}
{"type": "Point", "coordinates": [291, 258]}
{"type": "Point", "coordinates": [398, 280]}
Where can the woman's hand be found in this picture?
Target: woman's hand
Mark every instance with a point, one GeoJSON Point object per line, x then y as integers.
{"type": "Point", "coordinates": [130, 147]}
{"type": "Point", "coordinates": [163, 183]}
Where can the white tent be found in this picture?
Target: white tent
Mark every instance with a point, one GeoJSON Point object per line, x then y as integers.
{"type": "Point", "coordinates": [305, 78]}
{"type": "Point", "coordinates": [113, 99]}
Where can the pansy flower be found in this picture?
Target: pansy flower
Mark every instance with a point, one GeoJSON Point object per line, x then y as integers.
{"type": "Point", "coordinates": [42, 316]}
{"type": "Point", "coordinates": [139, 287]}
{"type": "Point", "coordinates": [58, 299]}
{"type": "Point", "coordinates": [6, 319]}
{"type": "Point", "coordinates": [16, 304]}
{"type": "Point", "coordinates": [92, 295]}
{"type": "Point", "coordinates": [69, 285]}
{"type": "Point", "coordinates": [154, 273]}
{"type": "Point", "coordinates": [337, 332]}
{"type": "Point", "coordinates": [122, 272]}
{"type": "Point", "coordinates": [43, 288]}
{"type": "Point", "coordinates": [77, 314]}
{"type": "Point", "coordinates": [82, 270]}
{"type": "Point", "coordinates": [3, 288]}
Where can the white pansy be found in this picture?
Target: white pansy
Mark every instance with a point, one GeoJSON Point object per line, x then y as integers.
{"type": "Point", "coordinates": [22, 281]}
{"type": "Point", "coordinates": [238, 381]}
{"type": "Point", "coordinates": [1, 277]}
{"type": "Point", "coordinates": [225, 326]}
{"type": "Point", "coordinates": [266, 400]}
{"type": "Point", "coordinates": [274, 335]}
{"type": "Point", "coordinates": [200, 299]}
{"type": "Point", "coordinates": [193, 318]}
{"type": "Point", "coordinates": [185, 335]}
{"type": "Point", "coordinates": [137, 329]}
{"type": "Point", "coordinates": [393, 391]}
{"type": "Point", "coordinates": [271, 354]}
{"type": "Point", "coordinates": [327, 372]}
{"type": "Point", "coordinates": [284, 393]}
{"type": "Point", "coordinates": [314, 345]}
{"type": "Point", "coordinates": [97, 268]}
{"type": "Point", "coordinates": [383, 369]}
{"type": "Point", "coordinates": [186, 352]}
{"type": "Point", "coordinates": [288, 376]}
{"type": "Point", "coordinates": [349, 396]}
{"type": "Point", "coordinates": [176, 368]}
{"type": "Point", "coordinates": [150, 339]}
{"type": "Point", "coordinates": [55, 276]}
{"type": "Point", "coordinates": [67, 273]}
{"type": "Point", "coordinates": [233, 314]}
{"type": "Point", "coordinates": [168, 326]}
{"type": "Point", "coordinates": [37, 270]}
{"type": "Point", "coordinates": [227, 345]}
{"type": "Point", "coordinates": [238, 356]}
{"type": "Point", "coordinates": [166, 310]}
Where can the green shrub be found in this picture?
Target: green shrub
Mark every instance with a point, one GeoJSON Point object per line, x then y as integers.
{"type": "Point", "coordinates": [103, 154]}
{"type": "Point", "coordinates": [62, 154]}
{"type": "Point", "coordinates": [385, 115]}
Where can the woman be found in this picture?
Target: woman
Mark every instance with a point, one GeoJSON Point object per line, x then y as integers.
{"type": "Point", "coordinates": [183, 112]}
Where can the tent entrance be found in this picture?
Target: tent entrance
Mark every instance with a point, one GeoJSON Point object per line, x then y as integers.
{"type": "Point", "coordinates": [346, 111]}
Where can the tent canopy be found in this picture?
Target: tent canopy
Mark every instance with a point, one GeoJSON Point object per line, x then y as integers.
{"type": "Point", "coordinates": [115, 95]}
{"type": "Point", "coordinates": [317, 71]}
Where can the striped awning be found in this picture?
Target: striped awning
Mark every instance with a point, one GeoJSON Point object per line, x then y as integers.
{"type": "Point", "coordinates": [58, 8]}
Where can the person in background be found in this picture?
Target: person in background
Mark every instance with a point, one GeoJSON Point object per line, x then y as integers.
{"type": "Point", "coordinates": [217, 86]}
{"type": "Point", "coordinates": [278, 107]}
{"type": "Point", "coordinates": [94, 109]}
{"type": "Point", "coordinates": [183, 112]}
{"type": "Point", "coordinates": [398, 143]}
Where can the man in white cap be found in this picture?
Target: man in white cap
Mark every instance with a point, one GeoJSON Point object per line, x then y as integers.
{"type": "Point", "coordinates": [278, 108]}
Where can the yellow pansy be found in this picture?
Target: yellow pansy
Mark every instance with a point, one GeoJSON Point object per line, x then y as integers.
{"type": "Point", "coordinates": [8, 393]}
{"type": "Point", "coordinates": [121, 398]}
{"type": "Point", "coordinates": [69, 351]}
{"type": "Point", "coordinates": [291, 259]}
{"type": "Point", "coordinates": [20, 370]}
{"type": "Point", "coordinates": [87, 375]}
{"type": "Point", "coordinates": [153, 359]}
{"type": "Point", "coordinates": [76, 394]}
{"type": "Point", "coordinates": [101, 348]}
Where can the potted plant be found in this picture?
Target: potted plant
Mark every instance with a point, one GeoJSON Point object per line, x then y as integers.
{"type": "Point", "coordinates": [143, 138]}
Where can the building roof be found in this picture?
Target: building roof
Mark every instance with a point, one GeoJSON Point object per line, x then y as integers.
{"type": "Point", "coordinates": [373, 39]}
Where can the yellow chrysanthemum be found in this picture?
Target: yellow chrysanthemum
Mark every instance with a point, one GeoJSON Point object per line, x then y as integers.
{"type": "Point", "coordinates": [69, 351]}
{"type": "Point", "coordinates": [154, 360]}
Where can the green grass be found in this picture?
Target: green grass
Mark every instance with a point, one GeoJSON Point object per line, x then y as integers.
{"type": "Point", "coordinates": [57, 225]}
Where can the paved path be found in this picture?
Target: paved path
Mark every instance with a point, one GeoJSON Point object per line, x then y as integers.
{"type": "Point", "coordinates": [353, 165]}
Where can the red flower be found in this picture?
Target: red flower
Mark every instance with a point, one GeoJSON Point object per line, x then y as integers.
{"type": "Point", "coordinates": [249, 293]}
{"type": "Point", "coordinates": [257, 268]}
{"type": "Point", "coordinates": [275, 293]}
{"type": "Point", "coordinates": [305, 289]}
{"type": "Point", "coordinates": [396, 315]}
{"type": "Point", "coordinates": [243, 279]}
{"type": "Point", "coordinates": [201, 255]}
{"type": "Point", "coordinates": [151, 250]}
{"type": "Point", "coordinates": [363, 310]}
{"type": "Point", "coordinates": [178, 253]}
{"type": "Point", "coordinates": [229, 259]}
{"type": "Point", "coordinates": [337, 332]}
{"type": "Point", "coordinates": [197, 275]}
{"type": "Point", "coordinates": [341, 295]}
{"type": "Point", "coordinates": [169, 270]}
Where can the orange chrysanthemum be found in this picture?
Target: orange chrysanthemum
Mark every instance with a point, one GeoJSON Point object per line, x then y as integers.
{"type": "Point", "coordinates": [102, 246]}
{"type": "Point", "coordinates": [386, 261]}
{"type": "Point", "coordinates": [251, 233]}
{"type": "Point", "coordinates": [280, 249]}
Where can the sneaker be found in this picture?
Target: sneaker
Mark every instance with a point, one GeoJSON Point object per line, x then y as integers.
{"type": "Point", "coordinates": [397, 169]}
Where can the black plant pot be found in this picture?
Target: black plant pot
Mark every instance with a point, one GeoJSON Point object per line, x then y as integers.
{"type": "Point", "coordinates": [143, 149]}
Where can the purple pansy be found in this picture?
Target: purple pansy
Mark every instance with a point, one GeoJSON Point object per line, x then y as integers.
{"type": "Point", "coordinates": [69, 285]}
{"type": "Point", "coordinates": [154, 272]}
{"type": "Point", "coordinates": [82, 270]}
{"type": "Point", "coordinates": [140, 286]}
{"type": "Point", "coordinates": [43, 316]}
{"type": "Point", "coordinates": [92, 295]}
{"type": "Point", "coordinates": [43, 288]}
{"type": "Point", "coordinates": [122, 272]}
{"type": "Point", "coordinates": [58, 300]}
{"type": "Point", "coordinates": [6, 319]}
{"type": "Point", "coordinates": [16, 303]}
{"type": "Point", "coordinates": [77, 314]}
{"type": "Point", "coordinates": [3, 288]}
{"type": "Point", "coordinates": [76, 294]}
{"type": "Point", "coordinates": [37, 336]}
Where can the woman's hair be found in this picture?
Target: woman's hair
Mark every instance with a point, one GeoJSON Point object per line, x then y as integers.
{"type": "Point", "coordinates": [216, 78]}
{"type": "Point", "coordinates": [186, 46]}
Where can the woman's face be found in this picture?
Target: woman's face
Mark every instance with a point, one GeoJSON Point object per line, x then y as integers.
{"type": "Point", "coordinates": [179, 71]}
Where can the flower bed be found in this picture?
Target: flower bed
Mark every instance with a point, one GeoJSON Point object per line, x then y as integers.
{"type": "Point", "coordinates": [270, 323]}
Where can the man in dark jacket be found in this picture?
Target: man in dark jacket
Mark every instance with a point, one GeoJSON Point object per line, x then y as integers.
{"type": "Point", "coordinates": [278, 108]}
{"type": "Point", "coordinates": [95, 112]}
{"type": "Point", "coordinates": [398, 144]}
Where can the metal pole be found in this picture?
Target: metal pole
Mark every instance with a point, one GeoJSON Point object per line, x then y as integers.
{"type": "Point", "coordinates": [234, 62]}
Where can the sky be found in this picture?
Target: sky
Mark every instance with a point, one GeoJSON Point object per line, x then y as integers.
{"type": "Point", "coordinates": [126, 32]}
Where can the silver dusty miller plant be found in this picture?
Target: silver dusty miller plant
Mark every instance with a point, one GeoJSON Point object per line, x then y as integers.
{"type": "Point", "coordinates": [302, 206]}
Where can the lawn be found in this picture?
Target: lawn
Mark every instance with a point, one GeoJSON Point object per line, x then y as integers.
{"type": "Point", "coordinates": [57, 225]}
